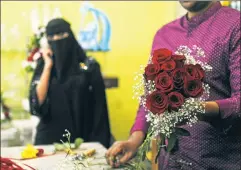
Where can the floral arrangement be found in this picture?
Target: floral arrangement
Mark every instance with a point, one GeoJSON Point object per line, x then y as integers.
{"type": "Point", "coordinates": [33, 50]}
{"type": "Point", "coordinates": [174, 92]}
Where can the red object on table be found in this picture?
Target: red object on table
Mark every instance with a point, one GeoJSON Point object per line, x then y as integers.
{"type": "Point", "coordinates": [40, 152]}
{"type": "Point", "coordinates": [8, 164]}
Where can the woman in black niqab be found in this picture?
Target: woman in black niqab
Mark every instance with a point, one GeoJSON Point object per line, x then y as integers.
{"type": "Point", "coordinates": [67, 52]}
{"type": "Point", "coordinates": [76, 97]}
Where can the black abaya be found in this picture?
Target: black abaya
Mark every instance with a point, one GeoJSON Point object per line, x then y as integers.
{"type": "Point", "coordinates": [77, 104]}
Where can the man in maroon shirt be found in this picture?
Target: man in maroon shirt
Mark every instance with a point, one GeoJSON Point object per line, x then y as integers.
{"type": "Point", "coordinates": [215, 140]}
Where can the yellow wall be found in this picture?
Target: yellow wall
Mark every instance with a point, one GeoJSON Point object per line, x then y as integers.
{"type": "Point", "coordinates": [133, 27]}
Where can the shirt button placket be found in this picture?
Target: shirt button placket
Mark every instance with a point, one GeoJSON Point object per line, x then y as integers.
{"type": "Point", "coordinates": [189, 33]}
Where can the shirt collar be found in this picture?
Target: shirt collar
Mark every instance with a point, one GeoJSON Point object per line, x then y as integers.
{"type": "Point", "coordinates": [197, 20]}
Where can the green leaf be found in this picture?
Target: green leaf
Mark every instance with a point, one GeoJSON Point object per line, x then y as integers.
{"type": "Point", "coordinates": [161, 143]}
{"type": "Point", "coordinates": [59, 146]}
{"type": "Point", "coordinates": [171, 142]}
{"type": "Point", "coordinates": [29, 69]}
{"type": "Point", "coordinates": [66, 144]}
{"type": "Point", "coordinates": [78, 142]}
{"type": "Point", "coordinates": [143, 156]}
{"type": "Point", "coordinates": [182, 132]}
{"type": "Point", "coordinates": [162, 139]}
{"type": "Point", "coordinates": [157, 155]}
{"type": "Point", "coordinates": [72, 146]}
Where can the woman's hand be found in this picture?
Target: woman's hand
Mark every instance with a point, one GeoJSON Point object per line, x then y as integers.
{"type": "Point", "coordinates": [47, 53]}
{"type": "Point", "coordinates": [121, 152]}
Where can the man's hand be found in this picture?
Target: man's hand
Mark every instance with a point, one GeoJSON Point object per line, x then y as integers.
{"type": "Point", "coordinates": [120, 152]}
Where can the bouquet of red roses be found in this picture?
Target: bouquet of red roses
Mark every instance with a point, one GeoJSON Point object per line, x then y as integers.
{"type": "Point", "coordinates": [174, 81]}
{"type": "Point", "coordinates": [174, 93]}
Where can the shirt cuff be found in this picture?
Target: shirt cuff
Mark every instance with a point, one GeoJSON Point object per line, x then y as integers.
{"type": "Point", "coordinates": [139, 127]}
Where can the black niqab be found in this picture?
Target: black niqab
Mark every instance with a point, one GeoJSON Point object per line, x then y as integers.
{"type": "Point", "coordinates": [67, 53]}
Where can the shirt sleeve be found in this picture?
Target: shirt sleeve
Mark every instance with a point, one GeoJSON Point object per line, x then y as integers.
{"type": "Point", "coordinates": [140, 123]}
{"type": "Point", "coordinates": [35, 108]}
{"type": "Point", "coordinates": [230, 107]}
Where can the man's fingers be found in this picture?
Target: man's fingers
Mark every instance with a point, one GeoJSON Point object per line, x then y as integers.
{"type": "Point", "coordinates": [109, 151]}
{"type": "Point", "coordinates": [108, 155]}
{"type": "Point", "coordinates": [112, 152]}
{"type": "Point", "coordinates": [125, 158]}
{"type": "Point", "coordinates": [112, 157]}
{"type": "Point", "coordinates": [116, 150]}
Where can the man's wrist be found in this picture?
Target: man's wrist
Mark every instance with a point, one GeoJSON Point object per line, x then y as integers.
{"type": "Point", "coordinates": [136, 138]}
{"type": "Point", "coordinates": [211, 108]}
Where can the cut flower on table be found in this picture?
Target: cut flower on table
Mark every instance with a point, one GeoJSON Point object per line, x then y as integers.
{"type": "Point", "coordinates": [30, 152]}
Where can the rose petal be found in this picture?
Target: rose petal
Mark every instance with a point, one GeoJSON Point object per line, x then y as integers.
{"type": "Point", "coordinates": [164, 82]}
{"type": "Point", "coordinates": [157, 102]}
{"type": "Point", "coordinates": [168, 65]}
{"type": "Point", "coordinates": [161, 55]}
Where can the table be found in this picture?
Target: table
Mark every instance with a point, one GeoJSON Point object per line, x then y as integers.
{"type": "Point", "coordinates": [51, 162]}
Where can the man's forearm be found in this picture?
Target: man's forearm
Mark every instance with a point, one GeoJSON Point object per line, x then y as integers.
{"type": "Point", "coordinates": [137, 138]}
{"type": "Point", "coordinates": [43, 85]}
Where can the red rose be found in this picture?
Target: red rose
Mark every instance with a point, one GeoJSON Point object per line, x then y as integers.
{"type": "Point", "coordinates": [161, 55]}
{"type": "Point", "coordinates": [151, 70]}
{"type": "Point", "coordinates": [176, 100]}
{"type": "Point", "coordinates": [30, 57]}
{"type": "Point", "coordinates": [200, 71]}
{"type": "Point", "coordinates": [178, 57]}
{"type": "Point", "coordinates": [194, 71]}
{"type": "Point", "coordinates": [40, 152]}
{"type": "Point", "coordinates": [164, 82]}
{"type": "Point", "coordinates": [168, 65]}
{"type": "Point", "coordinates": [178, 78]}
{"type": "Point", "coordinates": [157, 102]}
{"type": "Point", "coordinates": [192, 87]}
{"type": "Point", "coordinates": [179, 64]}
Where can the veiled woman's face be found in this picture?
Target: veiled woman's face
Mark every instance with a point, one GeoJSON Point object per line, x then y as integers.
{"type": "Point", "coordinates": [58, 36]}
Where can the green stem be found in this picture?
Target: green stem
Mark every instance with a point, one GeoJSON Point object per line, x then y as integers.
{"type": "Point", "coordinates": [143, 150]}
